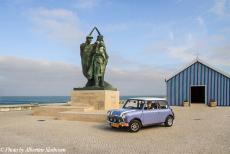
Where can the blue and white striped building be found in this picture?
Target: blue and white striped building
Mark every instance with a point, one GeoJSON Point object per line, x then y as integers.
{"type": "Point", "coordinates": [198, 82]}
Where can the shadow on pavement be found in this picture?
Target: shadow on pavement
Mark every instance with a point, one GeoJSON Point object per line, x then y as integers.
{"type": "Point", "coordinates": [105, 127]}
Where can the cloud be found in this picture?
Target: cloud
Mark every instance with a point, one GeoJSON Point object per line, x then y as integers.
{"type": "Point", "coordinates": [20, 76]}
{"type": "Point", "coordinates": [200, 20]}
{"type": "Point", "coordinates": [87, 4]}
{"type": "Point", "coordinates": [184, 52]}
{"type": "Point", "coordinates": [171, 36]}
{"type": "Point", "coordinates": [220, 55]}
{"type": "Point", "coordinates": [58, 24]}
{"type": "Point", "coordinates": [140, 81]}
{"type": "Point", "coordinates": [115, 27]}
{"type": "Point", "coordinates": [213, 48]}
{"type": "Point", "coordinates": [221, 8]}
{"type": "Point", "coordinates": [118, 61]}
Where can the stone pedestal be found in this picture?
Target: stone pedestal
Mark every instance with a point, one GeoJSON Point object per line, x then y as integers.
{"type": "Point", "coordinates": [98, 99]}
{"type": "Point", "coordinates": [85, 105]}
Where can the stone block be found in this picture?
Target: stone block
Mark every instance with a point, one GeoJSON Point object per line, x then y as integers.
{"type": "Point", "coordinates": [98, 99]}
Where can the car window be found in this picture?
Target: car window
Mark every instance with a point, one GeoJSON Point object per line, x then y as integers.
{"type": "Point", "coordinates": [163, 104]}
{"type": "Point", "coordinates": [155, 105]}
{"type": "Point", "coordinates": [133, 104]}
{"type": "Point", "coordinates": [148, 105]}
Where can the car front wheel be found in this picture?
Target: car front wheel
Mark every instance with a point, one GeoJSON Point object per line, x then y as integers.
{"type": "Point", "coordinates": [169, 121]}
{"type": "Point", "coordinates": [134, 126]}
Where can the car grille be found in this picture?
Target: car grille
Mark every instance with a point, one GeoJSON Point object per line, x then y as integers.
{"type": "Point", "coordinates": [115, 119]}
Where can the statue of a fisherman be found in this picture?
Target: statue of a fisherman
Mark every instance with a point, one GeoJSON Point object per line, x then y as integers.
{"type": "Point", "coordinates": [86, 58]}
{"type": "Point", "coordinates": [94, 59]}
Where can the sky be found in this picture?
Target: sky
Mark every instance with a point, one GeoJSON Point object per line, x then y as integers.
{"type": "Point", "coordinates": [146, 42]}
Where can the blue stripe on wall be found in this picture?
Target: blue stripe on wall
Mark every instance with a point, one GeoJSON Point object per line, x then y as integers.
{"type": "Point", "coordinates": [224, 91]}
{"type": "Point", "coordinates": [206, 83]}
{"type": "Point", "coordinates": [180, 88]}
{"type": "Point", "coordinates": [228, 92]}
{"type": "Point", "coordinates": [216, 79]}
{"type": "Point", "coordinates": [184, 86]}
{"type": "Point", "coordinates": [218, 90]}
{"type": "Point", "coordinates": [213, 84]}
{"type": "Point", "coordinates": [209, 86]}
{"type": "Point", "coordinates": [195, 74]}
{"type": "Point", "coordinates": [174, 91]}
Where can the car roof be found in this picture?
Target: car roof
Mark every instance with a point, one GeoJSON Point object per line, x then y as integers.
{"type": "Point", "coordinates": [149, 98]}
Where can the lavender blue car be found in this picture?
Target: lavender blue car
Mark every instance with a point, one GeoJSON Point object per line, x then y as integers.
{"type": "Point", "coordinates": [140, 112]}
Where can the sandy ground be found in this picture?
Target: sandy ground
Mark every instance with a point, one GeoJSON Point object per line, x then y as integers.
{"type": "Point", "coordinates": [198, 129]}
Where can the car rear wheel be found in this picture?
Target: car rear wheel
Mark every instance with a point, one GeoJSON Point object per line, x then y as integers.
{"type": "Point", "coordinates": [169, 121]}
{"type": "Point", "coordinates": [134, 126]}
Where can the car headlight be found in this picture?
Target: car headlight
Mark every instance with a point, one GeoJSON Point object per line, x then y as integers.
{"type": "Point", "coordinates": [123, 116]}
{"type": "Point", "coordinates": [108, 113]}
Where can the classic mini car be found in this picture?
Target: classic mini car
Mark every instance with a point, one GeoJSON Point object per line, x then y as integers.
{"type": "Point", "coordinates": [139, 112]}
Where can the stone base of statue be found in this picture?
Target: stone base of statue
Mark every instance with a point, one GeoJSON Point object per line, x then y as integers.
{"type": "Point", "coordinates": [96, 99]}
{"type": "Point", "coordinates": [85, 105]}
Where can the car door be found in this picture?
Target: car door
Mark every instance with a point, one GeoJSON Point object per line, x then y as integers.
{"type": "Point", "coordinates": [163, 111]}
{"type": "Point", "coordinates": [150, 116]}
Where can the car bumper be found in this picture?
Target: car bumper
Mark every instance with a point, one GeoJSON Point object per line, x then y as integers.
{"type": "Point", "coordinates": [117, 125]}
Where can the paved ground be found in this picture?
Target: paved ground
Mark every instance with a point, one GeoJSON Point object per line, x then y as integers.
{"type": "Point", "coordinates": [198, 129]}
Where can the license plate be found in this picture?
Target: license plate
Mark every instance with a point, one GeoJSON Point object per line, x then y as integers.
{"type": "Point", "coordinates": [115, 125]}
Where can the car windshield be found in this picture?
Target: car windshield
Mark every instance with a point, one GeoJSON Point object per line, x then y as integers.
{"type": "Point", "coordinates": [163, 104]}
{"type": "Point", "coordinates": [134, 104]}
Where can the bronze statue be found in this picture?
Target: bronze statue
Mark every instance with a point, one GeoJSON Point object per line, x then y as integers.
{"type": "Point", "coordinates": [94, 59]}
{"type": "Point", "coordinates": [86, 57]}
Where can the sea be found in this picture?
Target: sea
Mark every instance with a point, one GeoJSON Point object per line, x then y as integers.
{"type": "Point", "coordinates": [15, 100]}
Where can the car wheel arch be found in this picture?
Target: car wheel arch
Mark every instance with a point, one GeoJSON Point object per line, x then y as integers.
{"type": "Point", "coordinates": [169, 116]}
{"type": "Point", "coordinates": [138, 120]}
